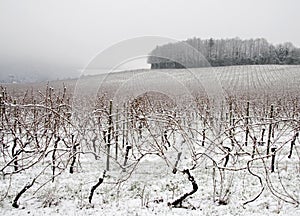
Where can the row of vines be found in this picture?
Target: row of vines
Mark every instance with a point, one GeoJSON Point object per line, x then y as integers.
{"type": "Point", "coordinates": [254, 137]}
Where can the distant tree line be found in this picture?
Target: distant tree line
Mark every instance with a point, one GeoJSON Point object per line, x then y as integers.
{"type": "Point", "coordinates": [222, 52]}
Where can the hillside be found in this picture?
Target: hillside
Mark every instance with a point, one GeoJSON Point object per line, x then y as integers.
{"type": "Point", "coordinates": [200, 141]}
{"type": "Point", "coordinates": [232, 79]}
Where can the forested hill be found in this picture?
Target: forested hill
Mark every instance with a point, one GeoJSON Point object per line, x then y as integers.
{"type": "Point", "coordinates": [222, 52]}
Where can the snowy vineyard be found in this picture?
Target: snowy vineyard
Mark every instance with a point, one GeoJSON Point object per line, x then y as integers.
{"type": "Point", "coordinates": [149, 154]}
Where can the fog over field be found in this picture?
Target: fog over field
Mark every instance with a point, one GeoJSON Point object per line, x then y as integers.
{"type": "Point", "coordinates": [57, 39]}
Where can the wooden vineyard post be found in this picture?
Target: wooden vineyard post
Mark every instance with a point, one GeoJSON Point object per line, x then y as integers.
{"type": "Point", "coordinates": [104, 136]}
{"type": "Point", "coordinates": [74, 150]}
{"type": "Point", "coordinates": [292, 144]}
{"type": "Point", "coordinates": [123, 126]}
{"type": "Point", "coordinates": [262, 137]}
{"type": "Point", "coordinates": [230, 112]}
{"type": "Point", "coordinates": [273, 149]}
{"type": "Point", "coordinates": [231, 123]}
{"type": "Point", "coordinates": [117, 133]}
{"type": "Point", "coordinates": [34, 116]}
{"type": "Point", "coordinates": [205, 125]}
{"type": "Point", "coordinates": [221, 117]}
{"type": "Point", "coordinates": [196, 121]}
{"type": "Point", "coordinates": [126, 157]}
{"type": "Point", "coordinates": [2, 109]}
{"type": "Point", "coordinates": [254, 147]}
{"type": "Point", "coordinates": [270, 130]}
{"type": "Point", "coordinates": [247, 123]}
{"type": "Point", "coordinates": [203, 136]}
{"type": "Point", "coordinates": [127, 124]}
{"type": "Point", "coordinates": [15, 115]}
{"type": "Point", "coordinates": [109, 134]}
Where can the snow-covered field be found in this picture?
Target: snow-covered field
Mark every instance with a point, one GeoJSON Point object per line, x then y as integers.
{"type": "Point", "coordinates": [160, 138]}
{"type": "Point", "coordinates": [148, 191]}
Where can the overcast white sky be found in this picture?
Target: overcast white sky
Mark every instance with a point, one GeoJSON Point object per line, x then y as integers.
{"type": "Point", "coordinates": [68, 33]}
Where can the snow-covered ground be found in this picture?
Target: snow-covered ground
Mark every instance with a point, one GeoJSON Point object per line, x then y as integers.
{"type": "Point", "coordinates": [148, 184]}
{"type": "Point", "coordinates": [150, 187]}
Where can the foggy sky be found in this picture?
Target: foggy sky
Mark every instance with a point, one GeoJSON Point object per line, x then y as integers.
{"type": "Point", "coordinates": [55, 38]}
